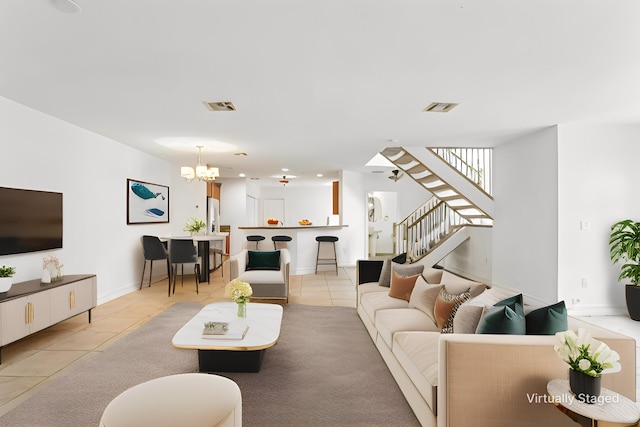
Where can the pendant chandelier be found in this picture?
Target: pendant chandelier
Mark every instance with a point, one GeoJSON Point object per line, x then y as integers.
{"type": "Point", "coordinates": [201, 172]}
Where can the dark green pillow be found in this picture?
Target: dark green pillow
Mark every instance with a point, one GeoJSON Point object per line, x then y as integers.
{"type": "Point", "coordinates": [501, 320]}
{"type": "Point", "coordinates": [514, 303]}
{"type": "Point", "coordinates": [547, 320]}
{"type": "Point", "coordinates": [259, 260]}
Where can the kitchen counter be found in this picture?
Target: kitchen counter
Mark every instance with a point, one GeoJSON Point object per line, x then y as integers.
{"type": "Point", "coordinates": [303, 247]}
{"type": "Point", "coordinates": [290, 227]}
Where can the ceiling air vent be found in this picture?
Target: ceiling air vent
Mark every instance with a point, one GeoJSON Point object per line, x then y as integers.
{"type": "Point", "coordinates": [440, 107]}
{"type": "Point", "coordinates": [221, 106]}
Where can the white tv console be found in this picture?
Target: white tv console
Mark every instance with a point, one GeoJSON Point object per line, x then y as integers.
{"type": "Point", "coordinates": [31, 306]}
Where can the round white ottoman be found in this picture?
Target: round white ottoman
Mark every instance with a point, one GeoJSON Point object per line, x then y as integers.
{"type": "Point", "coordinates": [178, 400]}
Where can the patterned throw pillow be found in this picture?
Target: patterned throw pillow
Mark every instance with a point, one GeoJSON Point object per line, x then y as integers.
{"type": "Point", "coordinates": [446, 307]}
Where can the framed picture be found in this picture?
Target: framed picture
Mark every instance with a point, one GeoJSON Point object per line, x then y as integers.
{"type": "Point", "coordinates": [147, 203]}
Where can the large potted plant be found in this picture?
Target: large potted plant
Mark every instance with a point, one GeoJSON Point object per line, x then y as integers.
{"type": "Point", "coordinates": [5, 277]}
{"type": "Point", "coordinates": [624, 246]}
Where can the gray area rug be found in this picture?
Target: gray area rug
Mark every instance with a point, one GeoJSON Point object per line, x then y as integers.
{"type": "Point", "coordinates": [324, 371]}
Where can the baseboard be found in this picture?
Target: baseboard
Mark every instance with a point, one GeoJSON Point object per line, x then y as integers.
{"type": "Point", "coordinates": [596, 311]}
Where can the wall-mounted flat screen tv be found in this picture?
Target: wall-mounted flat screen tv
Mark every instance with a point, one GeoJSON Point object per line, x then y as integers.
{"type": "Point", "coordinates": [30, 221]}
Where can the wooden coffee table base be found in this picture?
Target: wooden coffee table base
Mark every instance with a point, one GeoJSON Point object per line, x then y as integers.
{"type": "Point", "coordinates": [230, 360]}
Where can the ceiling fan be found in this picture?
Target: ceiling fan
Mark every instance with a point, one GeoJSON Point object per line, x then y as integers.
{"type": "Point", "coordinates": [396, 175]}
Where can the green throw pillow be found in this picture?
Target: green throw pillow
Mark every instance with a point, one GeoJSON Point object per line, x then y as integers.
{"type": "Point", "coordinates": [514, 303]}
{"type": "Point", "coordinates": [501, 320]}
{"type": "Point", "coordinates": [547, 320]}
{"type": "Point", "coordinates": [267, 260]}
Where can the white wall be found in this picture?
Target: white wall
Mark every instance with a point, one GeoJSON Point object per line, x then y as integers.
{"type": "Point", "coordinates": [353, 213]}
{"type": "Point", "coordinates": [598, 185]}
{"type": "Point", "coordinates": [474, 258]}
{"type": "Point", "coordinates": [313, 202]}
{"type": "Point", "coordinates": [525, 232]}
{"type": "Point", "coordinates": [44, 153]}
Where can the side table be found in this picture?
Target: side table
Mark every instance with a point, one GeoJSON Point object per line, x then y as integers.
{"type": "Point", "coordinates": [610, 407]}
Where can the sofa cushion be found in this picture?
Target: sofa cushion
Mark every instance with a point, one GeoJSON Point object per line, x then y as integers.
{"type": "Point", "coordinates": [417, 353]}
{"type": "Point", "coordinates": [263, 260]}
{"type": "Point", "coordinates": [490, 297]}
{"type": "Point", "coordinates": [371, 287]}
{"type": "Point", "coordinates": [402, 286]}
{"type": "Point", "coordinates": [547, 320]}
{"type": "Point", "coordinates": [256, 277]}
{"type": "Point", "coordinates": [385, 273]}
{"type": "Point", "coordinates": [393, 320]}
{"type": "Point", "coordinates": [372, 302]}
{"type": "Point", "coordinates": [467, 318]}
{"type": "Point", "coordinates": [432, 275]}
{"type": "Point", "coordinates": [501, 319]}
{"type": "Point", "coordinates": [445, 308]}
{"type": "Point", "coordinates": [424, 297]}
{"type": "Point", "coordinates": [407, 269]}
{"type": "Point", "coordinates": [515, 303]}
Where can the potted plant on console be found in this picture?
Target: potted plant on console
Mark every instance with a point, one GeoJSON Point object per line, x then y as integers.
{"type": "Point", "coordinates": [5, 277]}
{"type": "Point", "coordinates": [624, 246]}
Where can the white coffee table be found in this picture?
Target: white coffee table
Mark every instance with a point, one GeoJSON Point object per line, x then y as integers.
{"type": "Point", "coordinates": [226, 353]}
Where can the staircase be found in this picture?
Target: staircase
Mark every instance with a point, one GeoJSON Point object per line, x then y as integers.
{"type": "Point", "coordinates": [460, 199]}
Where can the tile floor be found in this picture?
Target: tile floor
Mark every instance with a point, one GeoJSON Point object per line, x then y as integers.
{"type": "Point", "coordinates": [35, 360]}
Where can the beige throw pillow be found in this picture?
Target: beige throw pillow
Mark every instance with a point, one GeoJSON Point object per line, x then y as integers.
{"type": "Point", "coordinates": [424, 297]}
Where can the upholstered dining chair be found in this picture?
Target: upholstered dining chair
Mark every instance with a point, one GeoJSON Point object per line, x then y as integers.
{"type": "Point", "coordinates": [183, 251]}
{"type": "Point", "coordinates": [153, 250]}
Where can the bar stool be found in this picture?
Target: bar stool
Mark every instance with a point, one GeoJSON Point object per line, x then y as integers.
{"type": "Point", "coordinates": [327, 261]}
{"type": "Point", "coordinates": [255, 238]}
{"type": "Point", "coordinates": [284, 239]}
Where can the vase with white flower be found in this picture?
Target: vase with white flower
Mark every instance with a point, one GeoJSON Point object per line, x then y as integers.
{"type": "Point", "coordinates": [588, 358]}
{"type": "Point", "coordinates": [240, 294]}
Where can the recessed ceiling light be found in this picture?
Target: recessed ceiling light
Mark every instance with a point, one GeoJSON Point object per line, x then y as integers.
{"type": "Point", "coordinates": [440, 107]}
{"type": "Point", "coordinates": [240, 153]}
{"type": "Point", "coordinates": [242, 175]}
{"type": "Point", "coordinates": [285, 169]}
{"type": "Point", "coordinates": [319, 175]}
{"type": "Point", "coordinates": [220, 106]}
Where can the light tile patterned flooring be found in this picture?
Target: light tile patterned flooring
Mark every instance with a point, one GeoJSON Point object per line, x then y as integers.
{"type": "Point", "coordinates": [32, 362]}
{"type": "Point", "coordinates": [38, 359]}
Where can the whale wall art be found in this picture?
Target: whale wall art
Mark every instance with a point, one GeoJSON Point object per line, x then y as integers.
{"type": "Point", "coordinates": [147, 203]}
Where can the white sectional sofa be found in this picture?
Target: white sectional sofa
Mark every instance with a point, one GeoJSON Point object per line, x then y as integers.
{"type": "Point", "coordinates": [462, 379]}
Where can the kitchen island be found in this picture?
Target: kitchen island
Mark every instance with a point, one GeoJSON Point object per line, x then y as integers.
{"type": "Point", "coordinates": [302, 247]}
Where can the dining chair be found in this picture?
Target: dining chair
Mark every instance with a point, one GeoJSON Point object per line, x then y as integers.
{"type": "Point", "coordinates": [183, 251]}
{"type": "Point", "coordinates": [153, 250]}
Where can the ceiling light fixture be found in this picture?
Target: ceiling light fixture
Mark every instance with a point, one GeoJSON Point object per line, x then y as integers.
{"type": "Point", "coordinates": [440, 107]}
{"type": "Point", "coordinates": [220, 106]}
{"type": "Point", "coordinates": [66, 6]}
{"type": "Point", "coordinates": [202, 172]}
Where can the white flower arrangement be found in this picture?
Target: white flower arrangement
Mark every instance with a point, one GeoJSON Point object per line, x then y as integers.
{"type": "Point", "coordinates": [240, 291]}
{"type": "Point", "coordinates": [586, 354]}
